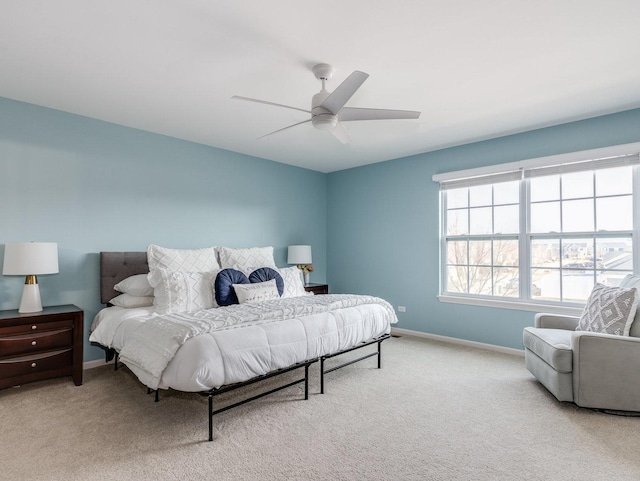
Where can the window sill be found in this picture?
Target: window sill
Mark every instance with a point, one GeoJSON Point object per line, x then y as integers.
{"type": "Point", "coordinates": [515, 304]}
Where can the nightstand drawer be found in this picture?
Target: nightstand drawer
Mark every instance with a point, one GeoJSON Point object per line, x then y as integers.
{"type": "Point", "coordinates": [35, 341]}
{"type": "Point", "coordinates": [37, 363]}
{"type": "Point", "coordinates": [25, 326]}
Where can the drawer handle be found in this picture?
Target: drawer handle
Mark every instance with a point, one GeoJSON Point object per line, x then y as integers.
{"type": "Point", "coordinates": [33, 364]}
{"type": "Point", "coordinates": [33, 343]}
{"type": "Point", "coordinates": [34, 327]}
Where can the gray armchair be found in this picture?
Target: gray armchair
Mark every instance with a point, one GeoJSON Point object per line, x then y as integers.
{"type": "Point", "coordinates": [591, 369]}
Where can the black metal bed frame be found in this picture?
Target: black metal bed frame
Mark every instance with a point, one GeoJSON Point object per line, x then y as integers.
{"type": "Point", "coordinates": [378, 353]}
{"type": "Point", "coordinates": [231, 387]}
{"type": "Point", "coordinates": [112, 354]}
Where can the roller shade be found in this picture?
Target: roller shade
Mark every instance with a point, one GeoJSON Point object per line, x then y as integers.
{"type": "Point", "coordinates": [595, 164]}
{"type": "Point", "coordinates": [481, 180]}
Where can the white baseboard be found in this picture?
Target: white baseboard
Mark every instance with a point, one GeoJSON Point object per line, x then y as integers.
{"type": "Point", "coordinates": [97, 363]}
{"type": "Point", "coordinates": [455, 340]}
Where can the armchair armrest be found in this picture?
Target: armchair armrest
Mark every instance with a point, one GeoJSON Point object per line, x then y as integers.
{"type": "Point", "coordinates": [556, 321]}
{"type": "Point", "coordinates": [605, 371]}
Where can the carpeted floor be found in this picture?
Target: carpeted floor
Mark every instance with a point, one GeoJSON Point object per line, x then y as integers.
{"type": "Point", "coordinates": [435, 411]}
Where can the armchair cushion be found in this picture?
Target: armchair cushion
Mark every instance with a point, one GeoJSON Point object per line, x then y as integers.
{"type": "Point", "coordinates": [553, 346]}
{"type": "Point", "coordinates": [609, 310]}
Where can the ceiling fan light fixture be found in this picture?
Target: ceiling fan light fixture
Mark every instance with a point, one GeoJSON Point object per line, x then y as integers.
{"type": "Point", "coordinates": [328, 111]}
{"type": "Point", "coordinates": [325, 121]}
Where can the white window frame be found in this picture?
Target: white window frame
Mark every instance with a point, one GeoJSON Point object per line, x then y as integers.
{"type": "Point", "coordinates": [560, 162]}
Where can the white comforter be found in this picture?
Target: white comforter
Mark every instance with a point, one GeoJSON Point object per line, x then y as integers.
{"type": "Point", "coordinates": [210, 348]}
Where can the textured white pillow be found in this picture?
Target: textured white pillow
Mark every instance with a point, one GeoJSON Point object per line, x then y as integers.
{"type": "Point", "coordinates": [183, 260]}
{"type": "Point", "coordinates": [246, 260]}
{"type": "Point", "coordinates": [293, 282]}
{"type": "Point", "coordinates": [256, 292]}
{"type": "Point", "coordinates": [137, 285]}
{"type": "Point", "coordinates": [177, 291]}
{"type": "Point", "coordinates": [129, 301]}
{"type": "Point", "coordinates": [610, 310]}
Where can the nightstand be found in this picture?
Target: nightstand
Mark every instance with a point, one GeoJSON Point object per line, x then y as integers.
{"type": "Point", "coordinates": [41, 345]}
{"type": "Point", "coordinates": [317, 288]}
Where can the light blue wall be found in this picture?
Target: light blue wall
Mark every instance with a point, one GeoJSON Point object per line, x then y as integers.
{"type": "Point", "coordinates": [92, 186]}
{"type": "Point", "coordinates": [383, 234]}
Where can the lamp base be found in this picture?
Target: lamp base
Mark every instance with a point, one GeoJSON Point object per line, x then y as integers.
{"type": "Point", "coordinates": [30, 301]}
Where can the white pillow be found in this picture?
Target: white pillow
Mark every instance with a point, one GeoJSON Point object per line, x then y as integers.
{"type": "Point", "coordinates": [293, 282]}
{"type": "Point", "coordinates": [137, 285]}
{"type": "Point", "coordinates": [129, 301]}
{"type": "Point", "coordinates": [246, 260]}
{"type": "Point", "coordinates": [256, 292]}
{"type": "Point", "coordinates": [177, 291]}
{"type": "Point", "coordinates": [183, 260]}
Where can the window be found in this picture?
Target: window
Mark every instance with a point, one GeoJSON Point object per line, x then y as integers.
{"type": "Point", "coordinates": [539, 233]}
{"type": "Point", "coordinates": [482, 239]}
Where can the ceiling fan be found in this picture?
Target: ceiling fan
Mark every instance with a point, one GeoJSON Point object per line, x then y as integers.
{"type": "Point", "coordinates": [328, 109]}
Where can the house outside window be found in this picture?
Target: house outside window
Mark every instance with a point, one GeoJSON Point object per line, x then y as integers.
{"type": "Point", "coordinates": [538, 232]}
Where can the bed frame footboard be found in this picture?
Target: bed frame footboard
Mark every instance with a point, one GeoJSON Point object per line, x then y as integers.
{"type": "Point", "coordinates": [378, 352]}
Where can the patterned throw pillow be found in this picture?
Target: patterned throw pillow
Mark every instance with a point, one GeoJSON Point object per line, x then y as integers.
{"type": "Point", "coordinates": [609, 310]}
{"type": "Point", "coordinates": [177, 291]}
{"type": "Point", "coordinates": [293, 283]}
{"type": "Point", "coordinates": [183, 260]}
{"type": "Point", "coordinates": [246, 260]}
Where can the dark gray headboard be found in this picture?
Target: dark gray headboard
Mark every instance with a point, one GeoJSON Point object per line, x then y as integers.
{"type": "Point", "coordinates": [116, 266]}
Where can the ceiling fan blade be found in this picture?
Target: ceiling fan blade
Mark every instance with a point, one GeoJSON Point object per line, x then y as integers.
{"type": "Point", "coordinates": [343, 92]}
{"type": "Point", "coordinates": [237, 97]}
{"type": "Point", "coordinates": [348, 113]}
{"type": "Point", "coordinates": [341, 133]}
{"type": "Point", "coordinates": [284, 128]}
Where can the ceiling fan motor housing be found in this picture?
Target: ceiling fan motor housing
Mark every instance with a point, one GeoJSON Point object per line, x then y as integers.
{"type": "Point", "coordinates": [321, 118]}
{"type": "Point", "coordinates": [324, 121]}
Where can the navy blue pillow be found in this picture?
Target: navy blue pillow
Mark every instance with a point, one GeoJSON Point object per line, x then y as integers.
{"type": "Point", "coordinates": [225, 294]}
{"type": "Point", "coordinates": [265, 274]}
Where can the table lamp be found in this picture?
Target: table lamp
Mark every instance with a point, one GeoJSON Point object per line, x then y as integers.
{"type": "Point", "coordinates": [300, 255]}
{"type": "Point", "coordinates": [30, 259]}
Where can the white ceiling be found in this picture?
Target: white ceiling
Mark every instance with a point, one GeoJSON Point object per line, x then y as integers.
{"type": "Point", "coordinates": [475, 69]}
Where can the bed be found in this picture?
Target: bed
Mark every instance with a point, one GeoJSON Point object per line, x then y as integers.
{"type": "Point", "coordinates": [210, 320]}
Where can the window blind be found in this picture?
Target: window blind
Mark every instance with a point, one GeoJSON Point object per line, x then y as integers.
{"type": "Point", "coordinates": [595, 164]}
{"type": "Point", "coordinates": [481, 180]}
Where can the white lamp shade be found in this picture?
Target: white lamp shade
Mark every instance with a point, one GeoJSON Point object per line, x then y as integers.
{"type": "Point", "coordinates": [27, 258]}
{"type": "Point", "coordinates": [299, 255]}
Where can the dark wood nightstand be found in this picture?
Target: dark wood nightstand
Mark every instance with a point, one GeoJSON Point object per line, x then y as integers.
{"type": "Point", "coordinates": [317, 288]}
{"type": "Point", "coordinates": [41, 345]}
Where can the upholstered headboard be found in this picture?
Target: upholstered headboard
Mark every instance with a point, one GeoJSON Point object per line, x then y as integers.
{"type": "Point", "coordinates": [116, 266]}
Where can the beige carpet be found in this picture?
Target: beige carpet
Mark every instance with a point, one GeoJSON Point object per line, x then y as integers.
{"type": "Point", "coordinates": [435, 411]}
